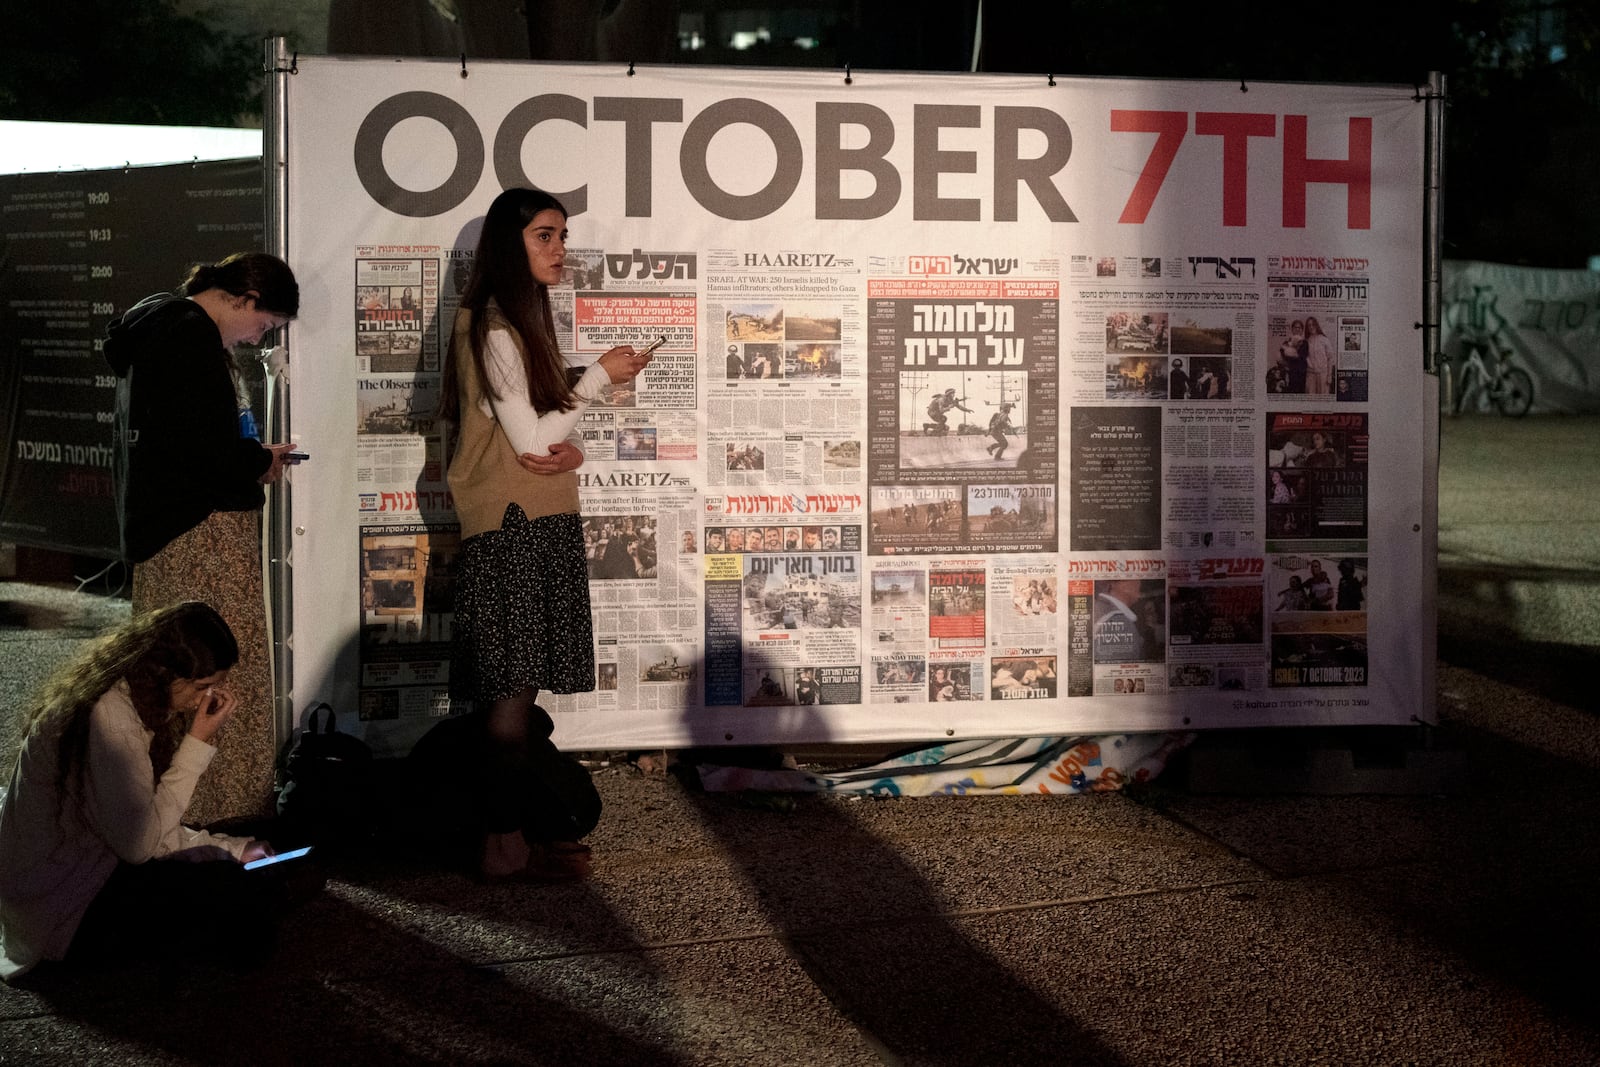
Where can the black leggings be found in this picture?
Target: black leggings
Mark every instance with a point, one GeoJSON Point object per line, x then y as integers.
{"type": "Point", "coordinates": [213, 910]}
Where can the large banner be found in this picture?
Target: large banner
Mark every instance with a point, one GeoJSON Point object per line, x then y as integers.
{"type": "Point", "coordinates": [989, 406]}
{"type": "Point", "coordinates": [76, 250]}
{"type": "Point", "coordinates": [1544, 321]}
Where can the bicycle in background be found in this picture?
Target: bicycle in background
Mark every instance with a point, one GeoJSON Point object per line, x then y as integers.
{"type": "Point", "coordinates": [1487, 367]}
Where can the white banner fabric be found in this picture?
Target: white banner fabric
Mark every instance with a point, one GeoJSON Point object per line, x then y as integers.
{"type": "Point", "coordinates": [989, 406]}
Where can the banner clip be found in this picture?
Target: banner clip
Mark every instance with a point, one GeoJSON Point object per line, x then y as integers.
{"type": "Point", "coordinates": [847, 74]}
{"type": "Point", "coordinates": [292, 68]}
{"type": "Point", "coordinates": [630, 68]}
{"type": "Point", "coordinates": [463, 64]}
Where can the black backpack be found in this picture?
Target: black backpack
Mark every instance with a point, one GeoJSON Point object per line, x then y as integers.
{"type": "Point", "coordinates": [325, 785]}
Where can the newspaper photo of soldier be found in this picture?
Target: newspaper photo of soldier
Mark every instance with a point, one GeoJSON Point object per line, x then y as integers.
{"type": "Point", "coordinates": [1002, 514]}
{"type": "Point", "coordinates": [915, 517]}
{"type": "Point", "coordinates": [749, 456]}
{"type": "Point", "coordinates": [957, 420]}
{"type": "Point", "coordinates": [754, 322]}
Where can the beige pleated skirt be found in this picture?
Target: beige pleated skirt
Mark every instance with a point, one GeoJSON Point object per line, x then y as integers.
{"type": "Point", "coordinates": [219, 562]}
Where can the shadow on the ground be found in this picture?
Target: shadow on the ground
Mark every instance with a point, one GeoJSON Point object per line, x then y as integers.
{"type": "Point", "coordinates": [346, 985]}
{"type": "Point", "coordinates": [871, 934]}
{"type": "Point", "coordinates": [1479, 611]}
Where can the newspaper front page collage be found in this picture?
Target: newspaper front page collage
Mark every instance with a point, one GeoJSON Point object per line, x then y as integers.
{"type": "Point", "coordinates": [906, 480]}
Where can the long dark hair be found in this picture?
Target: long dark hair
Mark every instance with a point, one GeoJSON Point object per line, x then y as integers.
{"type": "Point", "coordinates": [255, 274]}
{"type": "Point", "coordinates": [501, 291]}
{"type": "Point", "coordinates": [149, 652]}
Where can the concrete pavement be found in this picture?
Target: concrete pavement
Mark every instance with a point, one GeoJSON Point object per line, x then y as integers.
{"type": "Point", "coordinates": [1165, 925]}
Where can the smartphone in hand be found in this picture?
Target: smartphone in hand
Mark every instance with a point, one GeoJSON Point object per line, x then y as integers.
{"type": "Point", "coordinates": [653, 345]}
{"type": "Point", "coordinates": [267, 861]}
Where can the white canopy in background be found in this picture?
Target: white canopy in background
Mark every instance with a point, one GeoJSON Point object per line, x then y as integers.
{"type": "Point", "coordinates": [36, 147]}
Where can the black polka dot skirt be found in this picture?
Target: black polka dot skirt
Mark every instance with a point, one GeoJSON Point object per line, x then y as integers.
{"type": "Point", "coordinates": [522, 610]}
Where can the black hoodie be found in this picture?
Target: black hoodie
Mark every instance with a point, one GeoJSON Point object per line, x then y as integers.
{"type": "Point", "coordinates": [184, 455]}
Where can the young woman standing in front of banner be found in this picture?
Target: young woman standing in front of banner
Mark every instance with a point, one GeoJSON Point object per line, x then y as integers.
{"type": "Point", "coordinates": [522, 597]}
{"type": "Point", "coordinates": [187, 457]}
{"type": "Point", "coordinates": [94, 858]}
{"type": "Point", "coordinates": [191, 482]}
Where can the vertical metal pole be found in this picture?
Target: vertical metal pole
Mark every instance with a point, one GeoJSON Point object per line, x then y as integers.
{"type": "Point", "coordinates": [1433, 331]}
{"type": "Point", "coordinates": [276, 523]}
{"type": "Point", "coordinates": [1433, 253]}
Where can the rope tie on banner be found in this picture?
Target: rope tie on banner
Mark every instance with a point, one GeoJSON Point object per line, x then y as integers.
{"type": "Point", "coordinates": [463, 64]}
{"type": "Point", "coordinates": [1050, 80]}
{"type": "Point", "coordinates": [292, 68]}
{"type": "Point", "coordinates": [1243, 88]}
{"type": "Point", "coordinates": [847, 74]}
{"type": "Point", "coordinates": [630, 68]}
{"type": "Point", "coordinates": [1420, 94]}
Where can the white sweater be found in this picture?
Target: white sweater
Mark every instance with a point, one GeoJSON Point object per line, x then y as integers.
{"type": "Point", "coordinates": [57, 853]}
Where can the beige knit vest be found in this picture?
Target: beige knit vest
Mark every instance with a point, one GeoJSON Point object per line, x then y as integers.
{"type": "Point", "coordinates": [484, 475]}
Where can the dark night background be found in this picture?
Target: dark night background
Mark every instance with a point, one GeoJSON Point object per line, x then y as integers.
{"type": "Point", "coordinates": [1523, 121]}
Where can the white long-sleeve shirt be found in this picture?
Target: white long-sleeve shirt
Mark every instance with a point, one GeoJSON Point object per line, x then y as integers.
{"type": "Point", "coordinates": [57, 852]}
{"type": "Point", "coordinates": [529, 430]}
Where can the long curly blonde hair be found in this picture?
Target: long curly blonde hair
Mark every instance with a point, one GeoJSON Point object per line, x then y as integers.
{"type": "Point", "coordinates": [149, 652]}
